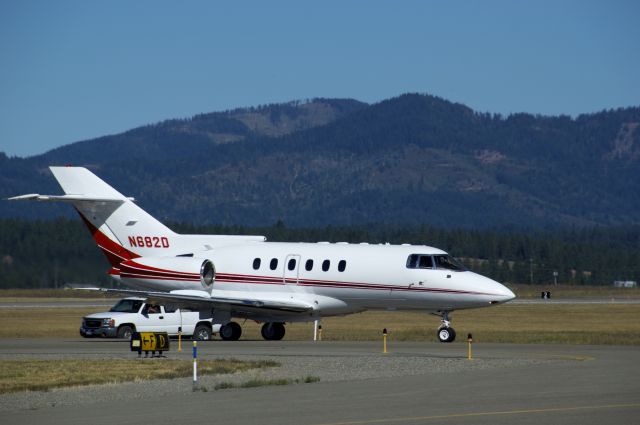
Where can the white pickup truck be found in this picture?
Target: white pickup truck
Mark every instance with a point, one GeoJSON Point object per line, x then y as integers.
{"type": "Point", "coordinates": [131, 315]}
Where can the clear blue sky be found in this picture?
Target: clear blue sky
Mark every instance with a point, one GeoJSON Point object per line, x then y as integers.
{"type": "Point", "coordinates": [74, 70]}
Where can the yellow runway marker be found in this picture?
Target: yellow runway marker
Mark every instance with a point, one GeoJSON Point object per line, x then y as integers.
{"type": "Point", "coordinates": [478, 414]}
{"type": "Point", "coordinates": [384, 341]}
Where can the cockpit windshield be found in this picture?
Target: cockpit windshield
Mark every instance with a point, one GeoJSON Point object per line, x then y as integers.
{"type": "Point", "coordinates": [425, 261]}
{"type": "Point", "coordinates": [127, 306]}
{"type": "Point", "coordinates": [448, 262]}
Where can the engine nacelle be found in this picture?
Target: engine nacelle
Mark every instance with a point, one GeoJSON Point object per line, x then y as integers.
{"type": "Point", "coordinates": [168, 273]}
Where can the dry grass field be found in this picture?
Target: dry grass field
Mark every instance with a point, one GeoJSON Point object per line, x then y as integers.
{"type": "Point", "coordinates": [551, 323]}
{"type": "Point", "coordinates": [43, 322]}
{"type": "Point", "coordinates": [42, 375]}
{"type": "Point", "coordinates": [517, 323]}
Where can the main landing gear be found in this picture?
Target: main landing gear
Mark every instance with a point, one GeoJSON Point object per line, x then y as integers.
{"type": "Point", "coordinates": [231, 331]}
{"type": "Point", "coordinates": [445, 332]}
{"type": "Point", "coordinates": [273, 331]}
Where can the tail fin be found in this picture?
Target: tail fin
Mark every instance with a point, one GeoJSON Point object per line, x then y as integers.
{"type": "Point", "coordinates": [121, 229]}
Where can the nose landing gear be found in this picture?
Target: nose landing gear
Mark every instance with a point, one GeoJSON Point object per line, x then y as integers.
{"type": "Point", "coordinates": [445, 332]}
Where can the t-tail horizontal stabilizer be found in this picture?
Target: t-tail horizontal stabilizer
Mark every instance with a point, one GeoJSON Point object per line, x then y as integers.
{"type": "Point", "coordinates": [66, 198]}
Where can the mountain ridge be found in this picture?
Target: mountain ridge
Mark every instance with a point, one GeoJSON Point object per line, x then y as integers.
{"type": "Point", "coordinates": [409, 159]}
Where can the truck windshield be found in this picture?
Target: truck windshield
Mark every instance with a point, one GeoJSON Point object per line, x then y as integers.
{"type": "Point", "coordinates": [127, 306]}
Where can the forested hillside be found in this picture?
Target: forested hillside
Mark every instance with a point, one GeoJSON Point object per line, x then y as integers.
{"type": "Point", "coordinates": [414, 159]}
{"type": "Point", "coordinates": [59, 252]}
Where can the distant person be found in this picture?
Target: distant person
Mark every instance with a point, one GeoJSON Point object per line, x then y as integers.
{"type": "Point", "coordinates": [153, 309]}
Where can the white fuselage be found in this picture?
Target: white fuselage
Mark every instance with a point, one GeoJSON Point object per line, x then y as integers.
{"type": "Point", "coordinates": [372, 277]}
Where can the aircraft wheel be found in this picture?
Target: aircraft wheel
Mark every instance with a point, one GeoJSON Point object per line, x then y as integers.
{"type": "Point", "coordinates": [231, 331]}
{"type": "Point", "coordinates": [273, 331]}
{"type": "Point", "coordinates": [280, 331]}
{"type": "Point", "coordinates": [268, 331]}
{"type": "Point", "coordinates": [446, 334]}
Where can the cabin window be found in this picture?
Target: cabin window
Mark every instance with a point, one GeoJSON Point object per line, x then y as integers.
{"type": "Point", "coordinates": [273, 264]}
{"type": "Point", "coordinates": [419, 261]}
{"type": "Point", "coordinates": [325, 265]}
{"type": "Point", "coordinates": [292, 264]}
{"type": "Point", "coordinates": [342, 265]}
{"type": "Point", "coordinates": [309, 265]}
{"type": "Point", "coordinates": [256, 263]}
{"type": "Point", "coordinates": [448, 262]}
{"type": "Point", "coordinates": [425, 262]}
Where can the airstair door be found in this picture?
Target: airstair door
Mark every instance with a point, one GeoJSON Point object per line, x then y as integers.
{"type": "Point", "coordinates": [291, 267]}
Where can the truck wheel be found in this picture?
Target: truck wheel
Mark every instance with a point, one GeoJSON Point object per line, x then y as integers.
{"type": "Point", "coordinates": [125, 332]}
{"type": "Point", "coordinates": [202, 333]}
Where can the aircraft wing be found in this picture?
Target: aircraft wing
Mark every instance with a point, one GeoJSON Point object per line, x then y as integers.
{"type": "Point", "coordinates": [239, 303]}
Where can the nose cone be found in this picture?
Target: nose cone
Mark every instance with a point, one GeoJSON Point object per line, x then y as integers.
{"type": "Point", "coordinates": [496, 292]}
{"type": "Point", "coordinates": [503, 294]}
{"type": "Point", "coordinates": [508, 294]}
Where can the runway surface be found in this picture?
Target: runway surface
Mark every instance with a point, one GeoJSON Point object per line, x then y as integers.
{"type": "Point", "coordinates": [76, 303]}
{"type": "Point", "coordinates": [414, 383]}
{"type": "Point", "coordinates": [538, 301]}
{"type": "Point", "coordinates": [109, 303]}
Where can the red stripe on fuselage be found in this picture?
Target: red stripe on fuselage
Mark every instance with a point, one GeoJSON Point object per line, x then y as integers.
{"type": "Point", "coordinates": [126, 275]}
{"type": "Point", "coordinates": [251, 279]}
{"type": "Point", "coordinates": [114, 252]}
{"type": "Point", "coordinates": [135, 265]}
{"type": "Point", "coordinates": [151, 273]}
{"type": "Point", "coordinates": [130, 271]}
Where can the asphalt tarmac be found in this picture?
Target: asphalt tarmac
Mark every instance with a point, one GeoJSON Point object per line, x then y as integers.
{"type": "Point", "coordinates": [503, 384]}
{"type": "Point", "coordinates": [109, 303]}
